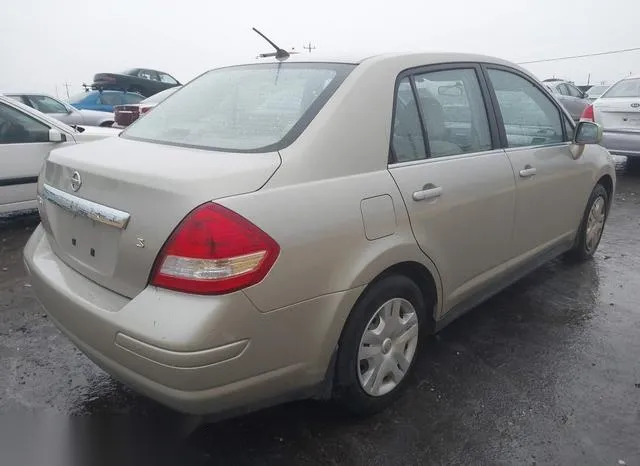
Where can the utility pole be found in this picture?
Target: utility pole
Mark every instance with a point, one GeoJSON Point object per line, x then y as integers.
{"type": "Point", "coordinates": [57, 93]}
{"type": "Point", "coordinates": [66, 86]}
{"type": "Point", "coordinates": [309, 47]}
{"type": "Point", "coordinates": [589, 79]}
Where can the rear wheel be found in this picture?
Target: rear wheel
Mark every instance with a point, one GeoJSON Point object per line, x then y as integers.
{"type": "Point", "coordinates": [379, 345]}
{"type": "Point", "coordinates": [592, 225]}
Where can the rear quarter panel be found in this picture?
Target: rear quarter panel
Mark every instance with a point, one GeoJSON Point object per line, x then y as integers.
{"type": "Point", "coordinates": [312, 204]}
{"type": "Point", "coordinates": [324, 248]}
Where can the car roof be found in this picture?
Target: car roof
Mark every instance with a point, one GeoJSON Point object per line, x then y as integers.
{"type": "Point", "coordinates": [427, 57]}
{"type": "Point", "coordinates": [403, 60]}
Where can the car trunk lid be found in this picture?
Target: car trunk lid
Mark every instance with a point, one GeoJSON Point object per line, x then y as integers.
{"type": "Point", "coordinates": [618, 114]}
{"type": "Point", "coordinates": [132, 196]}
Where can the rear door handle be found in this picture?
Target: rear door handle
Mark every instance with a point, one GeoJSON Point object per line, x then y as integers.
{"type": "Point", "coordinates": [527, 172]}
{"type": "Point", "coordinates": [431, 192]}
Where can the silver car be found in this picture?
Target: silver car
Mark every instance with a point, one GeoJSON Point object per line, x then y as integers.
{"type": "Point", "coordinates": [572, 98]}
{"type": "Point", "coordinates": [62, 111]}
{"type": "Point", "coordinates": [618, 112]}
{"type": "Point", "coordinates": [298, 229]}
{"type": "Point", "coordinates": [26, 137]}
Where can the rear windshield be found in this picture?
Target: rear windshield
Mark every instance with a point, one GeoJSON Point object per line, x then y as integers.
{"type": "Point", "coordinates": [626, 88]}
{"type": "Point", "coordinates": [251, 108]}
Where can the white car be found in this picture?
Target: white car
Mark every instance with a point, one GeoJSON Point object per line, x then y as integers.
{"type": "Point", "coordinates": [26, 137]}
{"type": "Point", "coordinates": [63, 111]}
{"type": "Point", "coordinates": [618, 112]}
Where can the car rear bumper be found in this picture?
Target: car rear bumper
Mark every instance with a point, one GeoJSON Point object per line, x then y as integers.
{"type": "Point", "coordinates": [622, 143]}
{"type": "Point", "coordinates": [196, 354]}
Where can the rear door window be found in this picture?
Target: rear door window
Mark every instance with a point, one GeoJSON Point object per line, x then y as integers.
{"type": "Point", "coordinates": [453, 112]}
{"type": "Point", "coordinates": [529, 116]}
{"type": "Point", "coordinates": [407, 139]}
{"type": "Point", "coordinates": [250, 108]}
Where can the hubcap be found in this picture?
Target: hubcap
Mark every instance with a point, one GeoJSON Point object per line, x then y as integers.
{"type": "Point", "coordinates": [387, 347]}
{"type": "Point", "coordinates": [595, 224]}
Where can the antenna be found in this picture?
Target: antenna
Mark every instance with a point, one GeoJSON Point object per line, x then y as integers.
{"type": "Point", "coordinates": [280, 53]}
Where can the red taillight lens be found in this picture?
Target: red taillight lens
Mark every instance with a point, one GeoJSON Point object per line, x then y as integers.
{"type": "Point", "coordinates": [144, 110]}
{"type": "Point", "coordinates": [587, 114]}
{"type": "Point", "coordinates": [214, 251]}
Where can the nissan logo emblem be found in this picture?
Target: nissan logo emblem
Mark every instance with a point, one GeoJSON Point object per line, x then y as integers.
{"type": "Point", "coordinates": [76, 181]}
{"type": "Point", "coordinates": [635, 105]}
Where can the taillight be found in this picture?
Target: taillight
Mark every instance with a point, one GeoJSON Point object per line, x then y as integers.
{"type": "Point", "coordinates": [587, 114]}
{"type": "Point", "coordinates": [143, 109]}
{"type": "Point", "coordinates": [214, 251]}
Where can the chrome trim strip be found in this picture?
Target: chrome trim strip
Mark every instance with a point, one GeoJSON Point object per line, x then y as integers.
{"type": "Point", "coordinates": [91, 210]}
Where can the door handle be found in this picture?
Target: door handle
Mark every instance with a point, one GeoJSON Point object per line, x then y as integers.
{"type": "Point", "coordinates": [431, 192]}
{"type": "Point", "coordinates": [527, 172]}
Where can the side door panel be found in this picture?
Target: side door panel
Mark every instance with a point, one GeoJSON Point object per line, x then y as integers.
{"type": "Point", "coordinates": [549, 203]}
{"type": "Point", "coordinates": [456, 183]}
{"type": "Point", "coordinates": [550, 183]}
{"type": "Point", "coordinates": [467, 230]}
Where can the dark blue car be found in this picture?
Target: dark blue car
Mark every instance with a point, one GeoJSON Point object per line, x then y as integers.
{"type": "Point", "coordinates": [104, 101]}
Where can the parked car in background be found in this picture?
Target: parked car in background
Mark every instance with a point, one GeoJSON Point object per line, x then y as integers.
{"type": "Point", "coordinates": [62, 111]}
{"type": "Point", "coordinates": [124, 115]}
{"type": "Point", "coordinates": [249, 240]}
{"type": "Point", "coordinates": [595, 92]}
{"type": "Point", "coordinates": [26, 137]}
{"type": "Point", "coordinates": [572, 98]}
{"type": "Point", "coordinates": [618, 112]}
{"type": "Point", "coordinates": [141, 80]}
{"type": "Point", "coordinates": [104, 101]}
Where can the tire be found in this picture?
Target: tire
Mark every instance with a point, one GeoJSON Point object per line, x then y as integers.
{"type": "Point", "coordinates": [351, 371]}
{"type": "Point", "coordinates": [587, 240]}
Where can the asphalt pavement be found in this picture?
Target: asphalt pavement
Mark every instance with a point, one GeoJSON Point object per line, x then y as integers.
{"type": "Point", "coordinates": [546, 372]}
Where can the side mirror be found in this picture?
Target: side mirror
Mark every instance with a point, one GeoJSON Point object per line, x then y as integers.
{"type": "Point", "coordinates": [57, 136]}
{"type": "Point", "coordinates": [587, 132]}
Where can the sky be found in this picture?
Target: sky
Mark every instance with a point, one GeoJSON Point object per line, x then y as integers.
{"type": "Point", "coordinates": [47, 43]}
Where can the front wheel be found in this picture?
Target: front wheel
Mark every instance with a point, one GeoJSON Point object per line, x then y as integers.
{"type": "Point", "coordinates": [592, 225]}
{"type": "Point", "coordinates": [379, 345]}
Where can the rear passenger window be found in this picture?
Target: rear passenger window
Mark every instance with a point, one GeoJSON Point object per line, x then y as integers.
{"type": "Point", "coordinates": [530, 117]}
{"type": "Point", "coordinates": [454, 113]}
{"type": "Point", "coordinates": [407, 142]}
